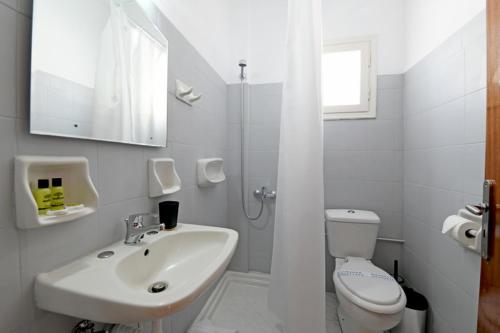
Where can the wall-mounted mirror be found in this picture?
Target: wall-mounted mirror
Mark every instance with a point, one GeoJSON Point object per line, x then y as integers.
{"type": "Point", "coordinates": [98, 71]}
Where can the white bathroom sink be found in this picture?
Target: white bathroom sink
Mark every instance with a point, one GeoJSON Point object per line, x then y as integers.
{"type": "Point", "coordinates": [116, 289]}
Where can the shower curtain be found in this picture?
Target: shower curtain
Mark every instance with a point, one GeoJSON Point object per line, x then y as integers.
{"type": "Point", "coordinates": [112, 109]}
{"type": "Point", "coordinates": [130, 81]}
{"type": "Point", "coordinates": [297, 291]}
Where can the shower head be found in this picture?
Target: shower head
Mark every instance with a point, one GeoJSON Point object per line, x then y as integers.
{"type": "Point", "coordinates": [242, 64]}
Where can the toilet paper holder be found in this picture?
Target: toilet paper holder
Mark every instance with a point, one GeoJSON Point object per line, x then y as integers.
{"type": "Point", "coordinates": [487, 225]}
{"type": "Point", "coordinates": [473, 226]}
{"type": "Point", "coordinates": [477, 210]}
{"type": "Point", "coordinates": [471, 233]}
{"type": "Point", "coordinates": [465, 227]}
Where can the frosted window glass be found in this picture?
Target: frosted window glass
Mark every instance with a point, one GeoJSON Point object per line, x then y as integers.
{"type": "Point", "coordinates": [342, 78]}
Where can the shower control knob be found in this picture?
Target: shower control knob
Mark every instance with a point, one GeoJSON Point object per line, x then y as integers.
{"type": "Point", "coordinates": [270, 195]}
{"type": "Point", "coordinates": [264, 194]}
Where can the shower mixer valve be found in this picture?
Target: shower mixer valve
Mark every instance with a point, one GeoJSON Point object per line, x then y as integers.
{"type": "Point", "coordinates": [263, 194]}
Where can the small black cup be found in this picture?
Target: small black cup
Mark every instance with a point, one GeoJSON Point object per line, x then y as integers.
{"type": "Point", "coordinates": [168, 211]}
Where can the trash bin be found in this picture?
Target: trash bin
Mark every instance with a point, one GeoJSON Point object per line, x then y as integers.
{"type": "Point", "coordinates": [414, 318]}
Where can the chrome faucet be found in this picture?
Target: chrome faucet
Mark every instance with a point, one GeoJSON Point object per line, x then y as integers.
{"type": "Point", "coordinates": [135, 228]}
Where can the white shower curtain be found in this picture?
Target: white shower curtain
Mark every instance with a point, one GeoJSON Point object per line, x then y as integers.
{"type": "Point", "coordinates": [297, 292]}
{"type": "Point", "coordinates": [112, 109]}
{"type": "Point", "coordinates": [130, 81]}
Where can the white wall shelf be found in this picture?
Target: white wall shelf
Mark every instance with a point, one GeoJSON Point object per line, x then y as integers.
{"type": "Point", "coordinates": [210, 171]}
{"type": "Point", "coordinates": [163, 178]}
{"type": "Point", "coordinates": [77, 183]}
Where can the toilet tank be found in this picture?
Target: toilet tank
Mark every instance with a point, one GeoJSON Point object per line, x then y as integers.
{"type": "Point", "coordinates": [351, 233]}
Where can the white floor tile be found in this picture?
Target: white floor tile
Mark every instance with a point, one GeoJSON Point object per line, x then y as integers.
{"type": "Point", "coordinates": [240, 302]}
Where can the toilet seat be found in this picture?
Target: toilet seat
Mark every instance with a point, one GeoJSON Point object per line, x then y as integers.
{"type": "Point", "coordinates": [369, 282]}
{"type": "Point", "coordinates": [368, 286]}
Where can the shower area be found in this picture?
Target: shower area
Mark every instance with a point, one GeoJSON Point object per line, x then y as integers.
{"type": "Point", "coordinates": [253, 124]}
{"type": "Point", "coordinates": [240, 299]}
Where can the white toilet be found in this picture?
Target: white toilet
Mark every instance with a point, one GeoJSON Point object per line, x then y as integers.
{"type": "Point", "coordinates": [370, 300]}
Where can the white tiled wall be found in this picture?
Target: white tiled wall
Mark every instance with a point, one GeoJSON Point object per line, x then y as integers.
{"type": "Point", "coordinates": [444, 128]}
{"type": "Point", "coordinates": [364, 168]}
{"type": "Point", "coordinates": [262, 121]}
{"type": "Point", "coordinates": [119, 172]}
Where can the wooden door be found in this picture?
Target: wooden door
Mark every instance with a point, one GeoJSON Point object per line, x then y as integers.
{"type": "Point", "coordinates": [489, 298]}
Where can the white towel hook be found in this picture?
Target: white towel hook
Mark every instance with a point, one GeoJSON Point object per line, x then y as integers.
{"type": "Point", "coordinates": [184, 93]}
{"type": "Point", "coordinates": [194, 98]}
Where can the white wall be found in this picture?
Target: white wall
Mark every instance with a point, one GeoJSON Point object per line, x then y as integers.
{"type": "Point", "coordinates": [407, 30]}
{"type": "Point", "coordinates": [344, 19]}
{"type": "Point", "coordinates": [224, 31]}
{"type": "Point", "coordinates": [444, 99]}
{"type": "Point", "coordinates": [217, 29]}
{"type": "Point", "coordinates": [267, 40]}
{"type": "Point", "coordinates": [430, 22]}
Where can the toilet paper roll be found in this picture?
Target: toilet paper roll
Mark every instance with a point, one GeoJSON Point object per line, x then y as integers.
{"type": "Point", "coordinates": [456, 227]}
{"type": "Point", "coordinates": [451, 222]}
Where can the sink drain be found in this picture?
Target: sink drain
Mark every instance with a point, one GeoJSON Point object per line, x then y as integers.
{"type": "Point", "coordinates": [105, 254]}
{"type": "Point", "coordinates": [158, 287]}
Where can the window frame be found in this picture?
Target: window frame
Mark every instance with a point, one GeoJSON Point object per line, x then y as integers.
{"type": "Point", "coordinates": [367, 109]}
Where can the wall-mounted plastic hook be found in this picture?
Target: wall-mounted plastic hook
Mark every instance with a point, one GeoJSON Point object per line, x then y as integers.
{"type": "Point", "coordinates": [185, 92]}
{"type": "Point", "coordinates": [194, 98]}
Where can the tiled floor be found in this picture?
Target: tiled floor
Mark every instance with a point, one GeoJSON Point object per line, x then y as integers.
{"type": "Point", "coordinates": [240, 302]}
{"type": "Point", "coordinates": [332, 320]}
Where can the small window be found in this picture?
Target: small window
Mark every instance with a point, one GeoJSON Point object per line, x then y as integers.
{"type": "Point", "coordinates": [349, 80]}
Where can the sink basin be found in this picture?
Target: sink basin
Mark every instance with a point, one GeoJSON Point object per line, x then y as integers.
{"type": "Point", "coordinates": [155, 278]}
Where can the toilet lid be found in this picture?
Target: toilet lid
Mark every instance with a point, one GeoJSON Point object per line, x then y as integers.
{"type": "Point", "coordinates": [369, 282]}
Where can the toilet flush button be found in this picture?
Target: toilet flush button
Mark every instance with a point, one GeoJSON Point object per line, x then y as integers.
{"type": "Point", "coordinates": [351, 211]}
